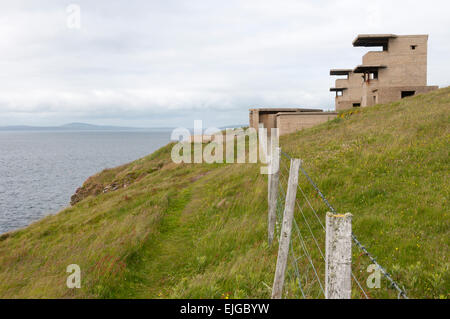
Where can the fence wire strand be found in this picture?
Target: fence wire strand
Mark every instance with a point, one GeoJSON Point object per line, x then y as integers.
{"type": "Point", "coordinates": [301, 274]}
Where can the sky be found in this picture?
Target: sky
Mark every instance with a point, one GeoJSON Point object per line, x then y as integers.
{"type": "Point", "coordinates": [155, 63]}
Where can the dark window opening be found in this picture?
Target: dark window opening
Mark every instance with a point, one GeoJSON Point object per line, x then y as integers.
{"type": "Point", "coordinates": [356, 104]}
{"type": "Point", "coordinates": [385, 47]}
{"type": "Point", "coordinates": [407, 93]}
{"type": "Point", "coordinates": [413, 47]}
{"type": "Point", "coordinates": [373, 75]}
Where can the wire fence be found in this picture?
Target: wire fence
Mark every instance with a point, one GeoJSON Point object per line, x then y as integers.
{"type": "Point", "coordinates": [305, 272]}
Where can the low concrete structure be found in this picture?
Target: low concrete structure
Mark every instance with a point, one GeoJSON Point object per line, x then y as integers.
{"type": "Point", "coordinates": [292, 122]}
{"type": "Point", "coordinates": [397, 71]}
{"type": "Point", "coordinates": [384, 95]}
{"type": "Point", "coordinates": [267, 116]}
{"type": "Point", "coordinates": [288, 120]}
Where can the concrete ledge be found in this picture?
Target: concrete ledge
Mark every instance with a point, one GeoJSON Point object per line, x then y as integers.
{"type": "Point", "coordinates": [306, 113]}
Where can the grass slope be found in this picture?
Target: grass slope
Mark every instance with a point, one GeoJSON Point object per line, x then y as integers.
{"type": "Point", "coordinates": [199, 230]}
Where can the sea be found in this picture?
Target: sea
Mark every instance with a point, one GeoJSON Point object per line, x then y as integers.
{"type": "Point", "coordinates": [40, 170]}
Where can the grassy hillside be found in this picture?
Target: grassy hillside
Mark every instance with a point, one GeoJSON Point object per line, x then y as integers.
{"type": "Point", "coordinates": [155, 229]}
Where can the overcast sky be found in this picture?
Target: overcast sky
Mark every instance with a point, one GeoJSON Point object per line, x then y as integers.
{"type": "Point", "coordinates": [167, 62]}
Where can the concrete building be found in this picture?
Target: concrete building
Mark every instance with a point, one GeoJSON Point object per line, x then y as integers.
{"type": "Point", "coordinates": [397, 70]}
{"type": "Point", "coordinates": [288, 120]}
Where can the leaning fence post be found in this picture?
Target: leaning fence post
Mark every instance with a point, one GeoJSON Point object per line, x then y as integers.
{"type": "Point", "coordinates": [274, 177]}
{"type": "Point", "coordinates": [286, 228]}
{"type": "Point", "coordinates": [338, 256]}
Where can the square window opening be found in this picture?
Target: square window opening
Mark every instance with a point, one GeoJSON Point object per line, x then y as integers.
{"type": "Point", "coordinates": [407, 93]}
{"type": "Point", "coordinates": [374, 75]}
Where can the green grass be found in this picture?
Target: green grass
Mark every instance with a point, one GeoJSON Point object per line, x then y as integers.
{"type": "Point", "coordinates": [199, 230]}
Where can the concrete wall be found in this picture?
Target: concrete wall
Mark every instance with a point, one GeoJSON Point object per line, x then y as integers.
{"type": "Point", "coordinates": [342, 105]}
{"type": "Point", "coordinates": [391, 94]}
{"type": "Point", "coordinates": [290, 123]}
{"type": "Point", "coordinates": [406, 70]}
{"type": "Point", "coordinates": [382, 95]}
{"type": "Point", "coordinates": [405, 66]}
{"type": "Point", "coordinates": [368, 98]}
{"type": "Point", "coordinates": [254, 118]}
{"type": "Point", "coordinates": [269, 120]}
{"type": "Point", "coordinates": [353, 93]}
{"type": "Point", "coordinates": [267, 116]}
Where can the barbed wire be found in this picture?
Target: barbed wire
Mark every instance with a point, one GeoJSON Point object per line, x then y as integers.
{"type": "Point", "coordinates": [303, 246]}
{"type": "Point", "coordinates": [394, 284]}
{"type": "Point", "coordinates": [294, 259]}
{"type": "Point", "coordinates": [301, 240]}
{"type": "Point", "coordinates": [285, 170]}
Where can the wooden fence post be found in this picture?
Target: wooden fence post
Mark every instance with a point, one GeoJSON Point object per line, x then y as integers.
{"type": "Point", "coordinates": [338, 256]}
{"type": "Point", "coordinates": [274, 177]}
{"type": "Point", "coordinates": [286, 229]}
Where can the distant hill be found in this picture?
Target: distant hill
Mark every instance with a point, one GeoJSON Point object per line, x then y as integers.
{"type": "Point", "coordinates": [76, 126]}
{"type": "Point", "coordinates": [79, 127]}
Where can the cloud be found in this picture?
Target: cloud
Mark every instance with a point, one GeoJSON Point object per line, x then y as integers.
{"type": "Point", "coordinates": [161, 63]}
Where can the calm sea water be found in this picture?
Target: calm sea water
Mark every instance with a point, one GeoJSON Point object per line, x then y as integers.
{"type": "Point", "coordinates": [39, 171]}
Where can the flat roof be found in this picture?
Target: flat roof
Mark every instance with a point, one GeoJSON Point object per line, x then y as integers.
{"type": "Point", "coordinates": [368, 68]}
{"type": "Point", "coordinates": [340, 71]}
{"type": "Point", "coordinates": [308, 113]}
{"type": "Point", "coordinates": [337, 89]}
{"type": "Point", "coordinates": [372, 40]}
{"type": "Point", "coordinates": [285, 109]}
